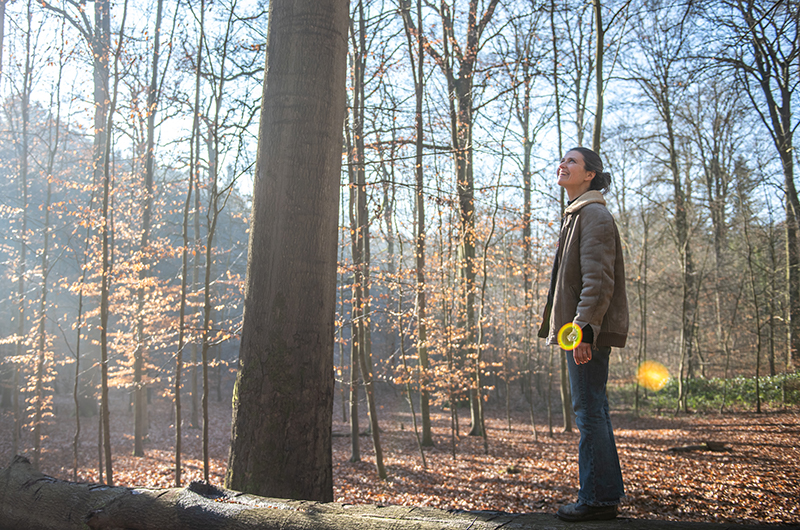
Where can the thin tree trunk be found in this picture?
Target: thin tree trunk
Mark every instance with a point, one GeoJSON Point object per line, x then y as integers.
{"type": "Point", "coordinates": [422, 346]}
{"type": "Point", "coordinates": [407, 371]}
{"type": "Point", "coordinates": [212, 216]}
{"type": "Point", "coordinates": [76, 386]}
{"type": "Point", "coordinates": [2, 31]}
{"type": "Point", "coordinates": [102, 13]}
{"type": "Point", "coordinates": [754, 293]}
{"type": "Point", "coordinates": [6, 372]}
{"type": "Point", "coordinates": [417, 71]}
{"type": "Point", "coordinates": [550, 393]}
{"type": "Point", "coordinates": [460, 82]}
{"type": "Point", "coordinates": [355, 299]}
{"type": "Point", "coordinates": [195, 412]}
{"type": "Point", "coordinates": [194, 155]}
{"type": "Point", "coordinates": [42, 358]}
{"type": "Point", "coordinates": [207, 332]}
{"type": "Point", "coordinates": [140, 403]}
{"type": "Point", "coordinates": [687, 268]}
{"type": "Point", "coordinates": [182, 311]}
{"type": "Point", "coordinates": [23, 231]}
{"type": "Point", "coordinates": [479, 353]}
{"type": "Point", "coordinates": [361, 256]}
{"type": "Point", "coordinates": [599, 51]}
{"type": "Point", "coordinates": [340, 331]}
{"type": "Point", "coordinates": [452, 393]}
{"type": "Point", "coordinates": [641, 286]}
{"type": "Point", "coordinates": [566, 399]}
{"type": "Point", "coordinates": [41, 347]}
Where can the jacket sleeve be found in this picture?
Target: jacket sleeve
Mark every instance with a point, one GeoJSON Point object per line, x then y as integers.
{"type": "Point", "coordinates": [597, 257]}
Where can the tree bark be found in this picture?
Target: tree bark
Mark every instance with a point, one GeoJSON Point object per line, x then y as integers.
{"type": "Point", "coordinates": [283, 400]}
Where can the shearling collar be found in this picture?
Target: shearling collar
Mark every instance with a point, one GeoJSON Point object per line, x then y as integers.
{"type": "Point", "coordinates": [589, 197]}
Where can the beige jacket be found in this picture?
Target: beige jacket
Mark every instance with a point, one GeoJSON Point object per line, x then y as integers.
{"type": "Point", "coordinates": [589, 285]}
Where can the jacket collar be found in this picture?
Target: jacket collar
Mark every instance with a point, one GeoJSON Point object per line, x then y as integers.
{"type": "Point", "coordinates": [591, 196]}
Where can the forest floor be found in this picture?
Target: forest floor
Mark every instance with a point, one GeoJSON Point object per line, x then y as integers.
{"type": "Point", "coordinates": [757, 480]}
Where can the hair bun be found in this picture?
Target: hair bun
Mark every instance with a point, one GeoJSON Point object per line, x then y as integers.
{"type": "Point", "coordinates": [601, 181]}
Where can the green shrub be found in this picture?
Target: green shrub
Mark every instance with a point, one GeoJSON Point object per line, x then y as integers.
{"type": "Point", "coordinates": [704, 395]}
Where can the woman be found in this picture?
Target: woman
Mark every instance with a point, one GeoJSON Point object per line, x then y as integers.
{"type": "Point", "coordinates": [587, 290]}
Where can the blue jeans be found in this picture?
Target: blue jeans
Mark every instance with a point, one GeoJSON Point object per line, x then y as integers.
{"type": "Point", "coordinates": [598, 463]}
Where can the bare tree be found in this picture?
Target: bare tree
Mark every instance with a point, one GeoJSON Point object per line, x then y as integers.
{"type": "Point", "coordinates": [458, 63]}
{"type": "Point", "coordinates": [763, 46]}
{"type": "Point", "coordinates": [360, 221]}
{"type": "Point", "coordinates": [663, 81]}
{"type": "Point", "coordinates": [417, 70]}
{"type": "Point", "coordinates": [599, 60]}
{"type": "Point", "coordinates": [715, 116]}
{"type": "Point", "coordinates": [43, 357]}
{"type": "Point", "coordinates": [23, 143]}
{"type": "Point", "coordinates": [139, 401]}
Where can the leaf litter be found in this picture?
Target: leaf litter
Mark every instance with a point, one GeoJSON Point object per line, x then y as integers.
{"type": "Point", "coordinates": [755, 480]}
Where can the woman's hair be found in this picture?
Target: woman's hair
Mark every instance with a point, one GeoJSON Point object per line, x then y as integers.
{"type": "Point", "coordinates": [591, 161]}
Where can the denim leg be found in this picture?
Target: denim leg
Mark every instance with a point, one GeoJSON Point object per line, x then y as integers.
{"type": "Point", "coordinates": [598, 462]}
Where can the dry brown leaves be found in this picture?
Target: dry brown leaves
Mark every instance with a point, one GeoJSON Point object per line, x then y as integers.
{"type": "Point", "coordinates": [758, 480]}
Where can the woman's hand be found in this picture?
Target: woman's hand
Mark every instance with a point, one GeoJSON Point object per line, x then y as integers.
{"type": "Point", "coordinates": [582, 353]}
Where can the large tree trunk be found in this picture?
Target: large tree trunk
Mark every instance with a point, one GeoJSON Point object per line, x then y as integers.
{"type": "Point", "coordinates": [283, 400]}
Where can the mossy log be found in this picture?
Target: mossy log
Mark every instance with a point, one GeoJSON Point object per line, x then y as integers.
{"type": "Point", "coordinates": [30, 500]}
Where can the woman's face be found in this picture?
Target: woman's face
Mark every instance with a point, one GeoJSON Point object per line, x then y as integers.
{"type": "Point", "coordinates": [572, 174]}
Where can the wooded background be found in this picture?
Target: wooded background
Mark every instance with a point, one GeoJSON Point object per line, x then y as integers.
{"type": "Point", "coordinates": [127, 150]}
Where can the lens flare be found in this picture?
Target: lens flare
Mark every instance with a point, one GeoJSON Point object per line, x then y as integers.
{"type": "Point", "coordinates": [652, 375]}
{"type": "Point", "coordinates": [569, 336]}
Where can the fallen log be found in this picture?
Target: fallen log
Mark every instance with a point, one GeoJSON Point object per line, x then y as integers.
{"type": "Point", "coordinates": [705, 446]}
{"type": "Point", "coordinates": [30, 500]}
